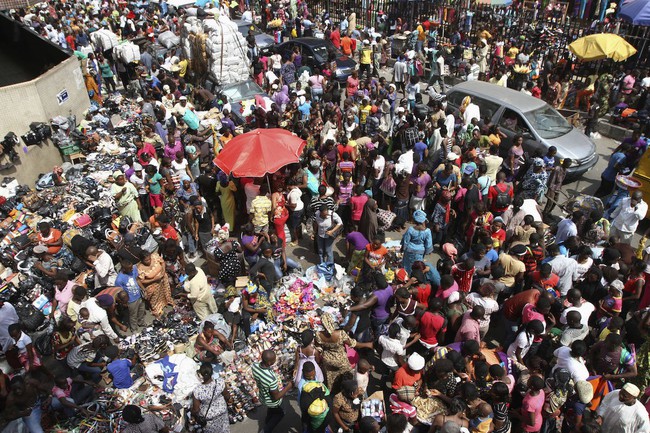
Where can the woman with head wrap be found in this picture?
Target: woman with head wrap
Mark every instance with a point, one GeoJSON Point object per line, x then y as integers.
{"type": "Point", "coordinates": [226, 191]}
{"type": "Point", "coordinates": [186, 191]}
{"type": "Point", "coordinates": [368, 225]}
{"type": "Point", "coordinates": [332, 342]}
{"type": "Point", "coordinates": [470, 111]}
{"type": "Point", "coordinates": [153, 277]}
{"type": "Point", "coordinates": [534, 183]}
{"type": "Point", "coordinates": [126, 197]}
{"type": "Point", "coordinates": [282, 97]}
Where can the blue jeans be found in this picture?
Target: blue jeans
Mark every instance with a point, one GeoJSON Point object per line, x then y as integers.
{"type": "Point", "coordinates": [33, 421]}
{"type": "Point", "coordinates": [325, 248]}
{"type": "Point", "coordinates": [93, 372]}
{"type": "Point", "coordinates": [56, 405]}
{"type": "Point", "coordinates": [190, 242]}
{"type": "Point", "coordinates": [291, 264]}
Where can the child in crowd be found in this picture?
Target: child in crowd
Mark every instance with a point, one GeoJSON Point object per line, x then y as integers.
{"type": "Point", "coordinates": [463, 272]}
{"type": "Point", "coordinates": [27, 355]}
{"type": "Point", "coordinates": [362, 375]}
{"type": "Point", "coordinates": [483, 420]}
{"type": "Point", "coordinates": [392, 354]}
{"type": "Point", "coordinates": [497, 233]}
{"type": "Point", "coordinates": [120, 368]}
{"type": "Point", "coordinates": [612, 304]}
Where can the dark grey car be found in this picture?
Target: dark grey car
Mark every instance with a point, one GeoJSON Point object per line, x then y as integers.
{"type": "Point", "coordinates": [261, 39]}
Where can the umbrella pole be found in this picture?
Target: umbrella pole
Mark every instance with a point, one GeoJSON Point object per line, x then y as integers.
{"type": "Point", "coordinates": [268, 182]}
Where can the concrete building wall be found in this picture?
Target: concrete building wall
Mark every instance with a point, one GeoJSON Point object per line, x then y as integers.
{"type": "Point", "coordinates": [36, 101]}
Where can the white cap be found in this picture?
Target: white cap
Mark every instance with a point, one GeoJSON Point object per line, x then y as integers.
{"type": "Point", "coordinates": [632, 389]}
{"type": "Point", "coordinates": [416, 362]}
{"type": "Point", "coordinates": [137, 167]}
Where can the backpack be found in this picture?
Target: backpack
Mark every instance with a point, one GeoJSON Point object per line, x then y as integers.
{"type": "Point", "coordinates": [503, 198]}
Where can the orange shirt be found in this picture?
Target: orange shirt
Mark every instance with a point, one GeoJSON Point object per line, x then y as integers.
{"type": "Point", "coordinates": [55, 236]}
{"type": "Point", "coordinates": [405, 377]}
{"type": "Point", "coordinates": [346, 45]}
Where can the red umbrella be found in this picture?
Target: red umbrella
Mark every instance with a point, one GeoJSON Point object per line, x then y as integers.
{"type": "Point", "coordinates": [260, 152]}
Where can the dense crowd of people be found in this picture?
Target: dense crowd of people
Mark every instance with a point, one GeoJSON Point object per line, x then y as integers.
{"type": "Point", "coordinates": [526, 322]}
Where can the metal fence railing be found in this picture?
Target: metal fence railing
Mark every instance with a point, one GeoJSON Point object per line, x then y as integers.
{"type": "Point", "coordinates": [563, 24]}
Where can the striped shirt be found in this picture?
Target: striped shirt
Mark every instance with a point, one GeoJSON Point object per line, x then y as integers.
{"type": "Point", "coordinates": [501, 414]}
{"type": "Point", "coordinates": [81, 354]}
{"type": "Point", "coordinates": [267, 381]}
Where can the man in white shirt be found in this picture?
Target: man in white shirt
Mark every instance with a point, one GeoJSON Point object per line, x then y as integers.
{"type": "Point", "coordinates": [251, 190]}
{"type": "Point", "coordinates": [378, 165]}
{"type": "Point", "coordinates": [621, 412]}
{"type": "Point", "coordinates": [105, 273]}
{"type": "Point", "coordinates": [199, 292]}
{"type": "Point", "coordinates": [564, 267]}
{"type": "Point", "coordinates": [568, 227]}
{"type": "Point", "coordinates": [578, 304]}
{"type": "Point", "coordinates": [571, 359]}
{"type": "Point", "coordinates": [8, 317]}
{"type": "Point", "coordinates": [627, 215]}
{"type": "Point", "coordinates": [493, 163]}
{"type": "Point", "coordinates": [296, 207]}
{"type": "Point", "coordinates": [99, 316]}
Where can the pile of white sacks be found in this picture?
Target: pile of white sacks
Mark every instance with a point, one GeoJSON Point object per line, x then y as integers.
{"type": "Point", "coordinates": [218, 39]}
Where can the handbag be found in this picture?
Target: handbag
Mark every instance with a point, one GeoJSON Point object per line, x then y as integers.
{"type": "Point", "coordinates": [388, 186]}
{"type": "Point", "coordinates": [385, 217]}
{"type": "Point", "coordinates": [336, 232]}
{"type": "Point", "coordinates": [198, 426]}
{"type": "Point", "coordinates": [82, 220]}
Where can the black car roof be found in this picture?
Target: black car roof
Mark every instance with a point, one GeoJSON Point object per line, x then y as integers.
{"type": "Point", "coordinates": [311, 42]}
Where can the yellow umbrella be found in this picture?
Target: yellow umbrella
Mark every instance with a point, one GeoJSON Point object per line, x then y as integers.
{"type": "Point", "coordinates": [602, 46]}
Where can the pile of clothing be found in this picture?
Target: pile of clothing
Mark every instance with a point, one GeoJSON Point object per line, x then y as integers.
{"type": "Point", "coordinates": [218, 40]}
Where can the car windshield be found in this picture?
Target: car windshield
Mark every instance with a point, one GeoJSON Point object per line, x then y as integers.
{"type": "Point", "coordinates": [548, 123]}
{"type": "Point", "coordinates": [244, 28]}
{"type": "Point", "coordinates": [321, 51]}
{"type": "Point", "coordinates": [242, 91]}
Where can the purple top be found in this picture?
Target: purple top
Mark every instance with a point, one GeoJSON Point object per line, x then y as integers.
{"type": "Point", "coordinates": [420, 147]}
{"type": "Point", "coordinates": [170, 152]}
{"type": "Point", "coordinates": [382, 309]}
{"type": "Point", "coordinates": [424, 180]}
{"type": "Point", "coordinates": [357, 240]}
{"type": "Point", "coordinates": [345, 192]}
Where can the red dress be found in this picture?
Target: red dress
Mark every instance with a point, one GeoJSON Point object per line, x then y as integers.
{"type": "Point", "coordinates": [280, 218]}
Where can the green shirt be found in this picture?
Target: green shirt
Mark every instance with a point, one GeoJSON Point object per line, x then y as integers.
{"type": "Point", "coordinates": [267, 381]}
{"type": "Point", "coordinates": [154, 183]}
{"type": "Point", "coordinates": [105, 70]}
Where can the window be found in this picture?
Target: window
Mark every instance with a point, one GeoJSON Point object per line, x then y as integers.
{"type": "Point", "coordinates": [456, 98]}
{"type": "Point", "coordinates": [548, 123]}
{"type": "Point", "coordinates": [488, 108]}
{"type": "Point", "coordinates": [512, 121]}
